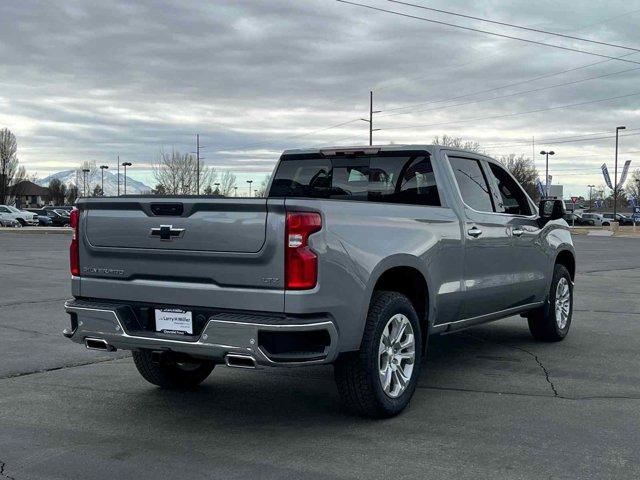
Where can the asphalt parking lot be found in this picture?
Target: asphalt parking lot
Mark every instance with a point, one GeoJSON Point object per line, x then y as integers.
{"type": "Point", "coordinates": [491, 403]}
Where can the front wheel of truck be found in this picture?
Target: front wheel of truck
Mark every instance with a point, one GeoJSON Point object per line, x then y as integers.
{"type": "Point", "coordinates": [551, 322]}
{"type": "Point", "coordinates": [171, 373]}
{"type": "Point", "coordinates": [379, 380]}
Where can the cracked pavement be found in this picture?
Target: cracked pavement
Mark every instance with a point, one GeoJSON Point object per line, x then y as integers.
{"type": "Point", "coordinates": [491, 403]}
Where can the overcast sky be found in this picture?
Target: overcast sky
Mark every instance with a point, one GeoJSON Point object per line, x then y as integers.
{"type": "Point", "coordinates": [92, 80]}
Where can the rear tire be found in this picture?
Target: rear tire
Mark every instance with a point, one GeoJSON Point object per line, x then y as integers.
{"type": "Point", "coordinates": [379, 380]}
{"type": "Point", "coordinates": [551, 322]}
{"type": "Point", "coordinates": [169, 374]}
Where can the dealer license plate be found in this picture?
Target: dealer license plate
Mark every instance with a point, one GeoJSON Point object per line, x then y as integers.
{"type": "Point", "coordinates": [174, 320]}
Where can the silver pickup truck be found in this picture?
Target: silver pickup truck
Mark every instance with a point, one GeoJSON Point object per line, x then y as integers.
{"type": "Point", "coordinates": [355, 257]}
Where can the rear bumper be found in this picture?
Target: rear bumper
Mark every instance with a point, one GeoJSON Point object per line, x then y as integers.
{"type": "Point", "coordinates": [225, 333]}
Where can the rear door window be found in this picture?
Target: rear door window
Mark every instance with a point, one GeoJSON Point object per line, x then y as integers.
{"type": "Point", "coordinates": [472, 183]}
{"type": "Point", "coordinates": [392, 178]}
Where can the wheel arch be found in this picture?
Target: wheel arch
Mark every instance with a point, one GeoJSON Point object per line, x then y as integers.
{"type": "Point", "coordinates": [404, 275]}
{"type": "Point", "coordinates": [568, 259]}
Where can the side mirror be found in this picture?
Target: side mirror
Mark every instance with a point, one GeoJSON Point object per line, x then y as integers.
{"type": "Point", "coordinates": [550, 209]}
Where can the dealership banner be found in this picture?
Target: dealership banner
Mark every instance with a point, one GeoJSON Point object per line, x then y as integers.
{"type": "Point", "coordinates": [625, 171]}
{"type": "Point", "coordinates": [607, 178]}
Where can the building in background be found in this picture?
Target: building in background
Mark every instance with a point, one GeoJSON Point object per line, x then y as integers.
{"type": "Point", "coordinates": [27, 194]}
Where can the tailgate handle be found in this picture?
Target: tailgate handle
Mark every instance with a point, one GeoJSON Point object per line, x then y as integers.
{"type": "Point", "coordinates": [167, 209]}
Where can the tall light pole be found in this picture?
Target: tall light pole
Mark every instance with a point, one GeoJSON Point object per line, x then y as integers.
{"type": "Point", "coordinates": [84, 181]}
{"type": "Point", "coordinates": [615, 178]}
{"type": "Point", "coordinates": [118, 163]}
{"type": "Point", "coordinates": [591, 187]}
{"type": "Point", "coordinates": [102, 169]}
{"type": "Point", "coordinates": [125, 165]}
{"type": "Point", "coordinates": [235, 191]}
{"type": "Point", "coordinates": [546, 180]}
{"type": "Point", "coordinates": [249, 182]}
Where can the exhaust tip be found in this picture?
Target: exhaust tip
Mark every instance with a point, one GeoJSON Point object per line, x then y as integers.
{"type": "Point", "coordinates": [236, 360]}
{"type": "Point", "coordinates": [98, 344]}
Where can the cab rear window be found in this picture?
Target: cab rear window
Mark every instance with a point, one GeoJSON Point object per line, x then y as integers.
{"type": "Point", "coordinates": [407, 179]}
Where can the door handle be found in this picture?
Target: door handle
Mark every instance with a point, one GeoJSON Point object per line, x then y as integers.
{"type": "Point", "coordinates": [517, 232]}
{"type": "Point", "coordinates": [474, 232]}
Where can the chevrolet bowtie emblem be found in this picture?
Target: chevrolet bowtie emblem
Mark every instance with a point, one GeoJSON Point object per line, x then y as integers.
{"type": "Point", "coordinates": [166, 232]}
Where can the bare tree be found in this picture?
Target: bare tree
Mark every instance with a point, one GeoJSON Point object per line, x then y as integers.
{"type": "Point", "coordinates": [633, 186]}
{"type": "Point", "coordinates": [91, 176]}
{"type": "Point", "coordinates": [178, 173]}
{"type": "Point", "coordinates": [456, 142]}
{"type": "Point", "coordinates": [525, 171]}
{"type": "Point", "coordinates": [261, 191]}
{"type": "Point", "coordinates": [19, 188]}
{"type": "Point", "coordinates": [227, 183]}
{"type": "Point", "coordinates": [97, 191]}
{"type": "Point", "coordinates": [159, 190]}
{"type": "Point", "coordinates": [8, 162]}
{"type": "Point", "coordinates": [72, 194]}
{"type": "Point", "coordinates": [57, 191]}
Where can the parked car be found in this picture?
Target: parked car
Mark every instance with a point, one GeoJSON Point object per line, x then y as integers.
{"type": "Point", "coordinates": [44, 221]}
{"type": "Point", "coordinates": [57, 218]}
{"type": "Point", "coordinates": [577, 219]}
{"type": "Point", "coordinates": [355, 257]}
{"type": "Point", "coordinates": [6, 221]}
{"type": "Point", "coordinates": [66, 208]}
{"type": "Point", "coordinates": [62, 212]}
{"type": "Point", "coordinates": [598, 219]}
{"type": "Point", "coordinates": [22, 216]}
{"type": "Point", "coordinates": [622, 219]}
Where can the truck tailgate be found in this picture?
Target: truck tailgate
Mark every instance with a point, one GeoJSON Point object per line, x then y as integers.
{"type": "Point", "coordinates": [183, 251]}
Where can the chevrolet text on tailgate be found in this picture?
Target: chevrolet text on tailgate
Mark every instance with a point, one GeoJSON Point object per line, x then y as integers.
{"type": "Point", "coordinates": [355, 257]}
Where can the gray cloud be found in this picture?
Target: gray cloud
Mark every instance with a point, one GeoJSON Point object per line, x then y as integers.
{"type": "Point", "coordinates": [91, 80]}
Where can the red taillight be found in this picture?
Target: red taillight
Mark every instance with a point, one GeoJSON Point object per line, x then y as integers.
{"type": "Point", "coordinates": [74, 253]}
{"type": "Point", "coordinates": [301, 267]}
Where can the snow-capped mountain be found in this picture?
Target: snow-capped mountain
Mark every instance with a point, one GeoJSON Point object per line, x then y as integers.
{"type": "Point", "coordinates": [74, 177]}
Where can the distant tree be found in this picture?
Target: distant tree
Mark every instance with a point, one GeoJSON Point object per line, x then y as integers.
{"type": "Point", "coordinates": [525, 171]}
{"type": "Point", "coordinates": [633, 185]}
{"type": "Point", "coordinates": [456, 142]}
{"type": "Point", "coordinates": [178, 173]}
{"type": "Point", "coordinates": [261, 191]}
{"type": "Point", "coordinates": [227, 183]}
{"type": "Point", "coordinates": [208, 190]}
{"type": "Point", "coordinates": [57, 191]}
{"type": "Point", "coordinates": [8, 162]}
{"type": "Point", "coordinates": [159, 190]}
{"type": "Point", "coordinates": [90, 177]}
{"type": "Point", "coordinates": [97, 191]}
{"type": "Point", "coordinates": [72, 194]}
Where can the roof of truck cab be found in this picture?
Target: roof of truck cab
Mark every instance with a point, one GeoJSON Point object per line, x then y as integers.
{"type": "Point", "coordinates": [385, 148]}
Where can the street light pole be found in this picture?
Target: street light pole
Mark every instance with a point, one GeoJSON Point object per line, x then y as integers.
{"type": "Point", "coordinates": [125, 165]}
{"type": "Point", "coordinates": [102, 169]}
{"type": "Point", "coordinates": [235, 191]}
{"type": "Point", "coordinates": [615, 178]}
{"type": "Point", "coordinates": [249, 182]}
{"type": "Point", "coordinates": [591, 187]}
{"type": "Point", "coordinates": [118, 163]}
{"type": "Point", "coordinates": [546, 180]}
